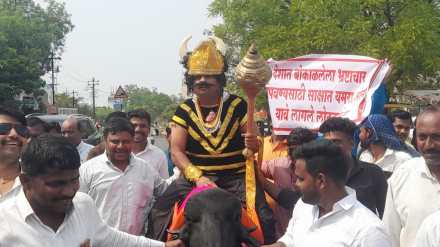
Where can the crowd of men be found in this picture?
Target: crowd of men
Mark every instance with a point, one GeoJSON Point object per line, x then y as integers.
{"type": "Point", "coordinates": [42, 174]}
{"type": "Point", "coordinates": [321, 188]}
{"type": "Point", "coordinates": [375, 184]}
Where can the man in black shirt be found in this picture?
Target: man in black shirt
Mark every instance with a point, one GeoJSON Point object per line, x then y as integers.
{"type": "Point", "coordinates": [367, 179]}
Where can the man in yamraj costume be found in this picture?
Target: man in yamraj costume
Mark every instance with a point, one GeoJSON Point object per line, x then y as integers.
{"type": "Point", "coordinates": [208, 138]}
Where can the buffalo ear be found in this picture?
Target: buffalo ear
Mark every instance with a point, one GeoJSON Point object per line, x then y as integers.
{"type": "Point", "coordinates": [246, 238]}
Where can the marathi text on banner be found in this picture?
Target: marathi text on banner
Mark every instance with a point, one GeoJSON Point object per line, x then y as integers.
{"type": "Point", "coordinates": [306, 91]}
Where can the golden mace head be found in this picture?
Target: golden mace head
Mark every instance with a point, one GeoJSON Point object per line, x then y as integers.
{"type": "Point", "coordinates": [253, 71]}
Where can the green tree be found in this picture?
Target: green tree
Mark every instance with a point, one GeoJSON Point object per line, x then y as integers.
{"type": "Point", "coordinates": [29, 34]}
{"type": "Point", "coordinates": [102, 113]}
{"type": "Point", "coordinates": [407, 32]}
{"type": "Point", "coordinates": [159, 105]}
{"type": "Point", "coordinates": [66, 100]}
{"type": "Point", "coordinates": [85, 109]}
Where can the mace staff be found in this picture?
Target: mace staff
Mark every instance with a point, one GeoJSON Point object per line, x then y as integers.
{"type": "Point", "coordinates": [252, 73]}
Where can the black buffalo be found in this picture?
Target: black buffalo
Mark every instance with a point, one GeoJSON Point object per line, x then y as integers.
{"type": "Point", "coordinates": [212, 219]}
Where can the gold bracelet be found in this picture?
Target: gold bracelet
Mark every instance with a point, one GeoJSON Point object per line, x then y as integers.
{"type": "Point", "coordinates": [192, 173]}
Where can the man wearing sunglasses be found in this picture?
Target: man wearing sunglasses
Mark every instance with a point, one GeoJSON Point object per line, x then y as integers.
{"type": "Point", "coordinates": [13, 135]}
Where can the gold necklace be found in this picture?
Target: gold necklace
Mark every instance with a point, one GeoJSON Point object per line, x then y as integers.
{"type": "Point", "coordinates": [209, 126]}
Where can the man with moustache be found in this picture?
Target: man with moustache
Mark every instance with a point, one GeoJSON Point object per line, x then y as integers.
{"type": "Point", "coordinates": [367, 179]}
{"type": "Point", "coordinates": [71, 129]}
{"type": "Point", "coordinates": [100, 147]}
{"type": "Point", "coordinates": [13, 135]}
{"type": "Point", "coordinates": [122, 185]}
{"type": "Point", "coordinates": [402, 123]}
{"type": "Point", "coordinates": [328, 213]}
{"type": "Point", "coordinates": [141, 119]}
{"type": "Point", "coordinates": [285, 194]}
{"type": "Point", "coordinates": [208, 140]}
{"type": "Point", "coordinates": [413, 189]}
{"type": "Point", "coordinates": [49, 212]}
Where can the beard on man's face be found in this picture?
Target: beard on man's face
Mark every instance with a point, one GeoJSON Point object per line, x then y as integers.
{"type": "Point", "coordinates": [432, 157]}
{"type": "Point", "coordinates": [311, 197]}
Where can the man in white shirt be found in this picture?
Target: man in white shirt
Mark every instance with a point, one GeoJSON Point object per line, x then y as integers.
{"type": "Point", "coordinates": [413, 190]}
{"type": "Point", "coordinates": [48, 211]}
{"type": "Point", "coordinates": [428, 234]}
{"type": "Point", "coordinates": [122, 185]}
{"type": "Point", "coordinates": [153, 155]}
{"type": "Point", "coordinates": [381, 143]}
{"type": "Point", "coordinates": [13, 135]}
{"type": "Point", "coordinates": [328, 213]}
{"type": "Point", "coordinates": [71, 129]}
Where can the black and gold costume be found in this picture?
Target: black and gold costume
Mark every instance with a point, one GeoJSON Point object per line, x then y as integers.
{"type": "Point", "coordinates": [214, 144]}
{"type": "Point", "coordinates": [216, 149]}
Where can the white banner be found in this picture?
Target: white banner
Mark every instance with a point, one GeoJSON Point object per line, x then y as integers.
{"type": "Point", "coordinates": [305, 91]}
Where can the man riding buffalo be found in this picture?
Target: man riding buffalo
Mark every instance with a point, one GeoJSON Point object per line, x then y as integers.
{"type": "Point", "coordinates": [207, 139]}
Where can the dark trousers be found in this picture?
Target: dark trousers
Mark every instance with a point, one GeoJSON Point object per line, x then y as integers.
{"type": "Point", "coordinates": [161, 213]}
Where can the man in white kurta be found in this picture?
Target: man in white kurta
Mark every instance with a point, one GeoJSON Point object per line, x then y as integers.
{"type": "Point", "coordinates": [122, 185]}
{"type": "Point", "coordinates": [48, 211]}
{"type": "Point", "coordinates": [328, 213]}
{"type": "Point", "coordinates": [142, 147]}
{"type": "Point", "coordinates": [123, 198]}
{"type": "Point", "coordinates": [349, 224]}
{"type": "Point", "coordinates": [20, 226]}
{"type": "Point", "coordinates": [428, 234]}
{"type": "Point", "coordinates": [414, 189]}
{"type": "Point", "coordinates": [156, 158]}
{"type": "Point", "coordinates": [13, 137]}
{"type": "Point", "coordinates": [413, 194]}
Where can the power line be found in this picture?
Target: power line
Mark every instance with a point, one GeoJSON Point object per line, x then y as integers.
{"type": "Point", "coordinates": [76, 74]}
{"type": "Point", "coordinates": [92, 84]}
{"type": "Point", "coordinates": [52, 68]}
{"type": "Point", "coordinates": [71, 76]}
{"type": "Point", "coordinates": [73, 97]}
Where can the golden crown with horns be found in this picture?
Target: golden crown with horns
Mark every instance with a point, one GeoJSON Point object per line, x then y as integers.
{"type": "Point", "coordinates": [207, 58]}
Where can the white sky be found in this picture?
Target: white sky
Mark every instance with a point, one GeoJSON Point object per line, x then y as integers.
{"type": "Point", "coordinates": [129, 42]}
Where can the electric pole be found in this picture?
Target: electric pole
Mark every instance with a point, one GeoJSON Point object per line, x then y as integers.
{"type": "Point", "coordinates": [73, 98]}
{"type": "Point", "coordinates": [52, 68]}
{"type": "Point", "coordinates": [92, 85]}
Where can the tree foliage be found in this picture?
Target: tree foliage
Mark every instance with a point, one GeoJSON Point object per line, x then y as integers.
{"type": "Point", "coordinates": [407, 32]}
{"type": "Point", "coordinates": [29, 34]}
{"type": "Point", "coordinates": [66, 100]}
{"type": "Point", "coordinates": [160, 106]}
{"type": "Point", "coordinates": [102, 113]}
